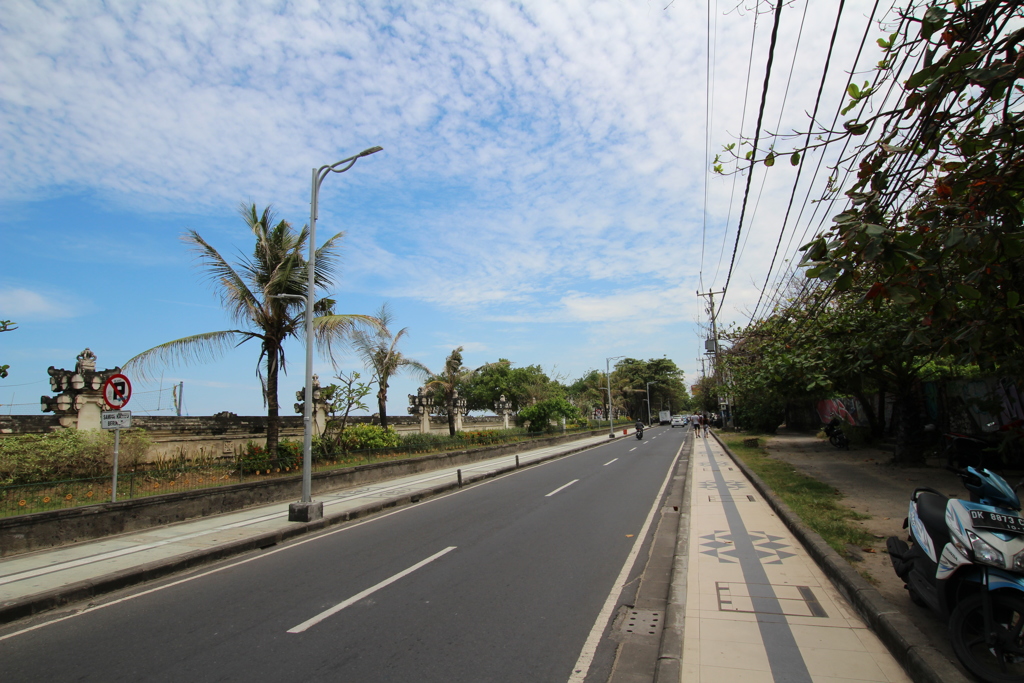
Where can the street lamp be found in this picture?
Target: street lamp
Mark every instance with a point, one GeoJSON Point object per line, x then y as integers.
{"type": "Point", "coordinates": [306, 510]}
{"type": "Point", "coordinates": [649, 402]}
{"type": "Point", "coordinates": [608, 375]}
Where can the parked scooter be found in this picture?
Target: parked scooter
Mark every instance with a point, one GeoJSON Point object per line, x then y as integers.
{"type": "Point", "coordinates": [835, 435]}
{"type": "Point", "coordinates": [965, 562]}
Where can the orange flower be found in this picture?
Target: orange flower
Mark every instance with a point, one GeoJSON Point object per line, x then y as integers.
{"type": "Point", "coordinates": [89, 494]}
{"type": "Point", "coordinates": [46, 499]}
{"type": "Point", "coordinates": [22, 503]}
{"type": "Point", "coordinates": [68, 497]}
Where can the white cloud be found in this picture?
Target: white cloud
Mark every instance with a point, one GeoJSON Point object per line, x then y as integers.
{"type": "Point", "coordinates": [530, 150]}
{"type": "Point", "coordinates": [23, 304]}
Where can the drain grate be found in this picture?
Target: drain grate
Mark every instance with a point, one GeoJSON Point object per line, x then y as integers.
{"type": "Point", "coordinates": [642, 622]}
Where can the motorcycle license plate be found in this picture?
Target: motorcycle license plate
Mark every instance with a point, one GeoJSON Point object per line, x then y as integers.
{"type": "Point", "coordinates": [984, 519]}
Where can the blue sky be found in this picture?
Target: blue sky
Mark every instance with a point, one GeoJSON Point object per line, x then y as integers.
{"type": "Point", "coordinates": [540, 196]}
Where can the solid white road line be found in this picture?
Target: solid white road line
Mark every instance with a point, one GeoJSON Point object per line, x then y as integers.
{"type": "Point", "coordinates": [369, 591]}
{"type": "Point", "coordinates": [564, 486]}
{"type": "Point", "coordinates": [609, 462]}
{"type": "Point", "coordinates": [579, 672]}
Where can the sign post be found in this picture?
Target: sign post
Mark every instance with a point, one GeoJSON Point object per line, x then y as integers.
{"type": "Point", "coordinates": [116, 392]}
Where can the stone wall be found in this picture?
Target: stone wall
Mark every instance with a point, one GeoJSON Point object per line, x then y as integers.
{"type": "Point", "coordinates": [224, 435]}
{"type": "Point", "coordinates": [28, 424]}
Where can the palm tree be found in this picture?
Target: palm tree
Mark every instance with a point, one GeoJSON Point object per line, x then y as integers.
{"type": "Point", "coordinates": [448, 381]}
{"type": "Point", "coordinates": [378, 349]}
{"type": "Point", "coordinates": [249, 291]}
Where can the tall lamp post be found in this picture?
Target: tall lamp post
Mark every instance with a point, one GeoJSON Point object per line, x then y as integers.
{"type": "Point", "coordinates": [649, 402]}
{"type": "Point", "coordinates": [608, 375]}
{"type": "Point", "coordinates": [306, 510]}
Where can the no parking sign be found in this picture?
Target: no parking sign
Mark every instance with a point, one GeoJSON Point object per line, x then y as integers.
{"type": "Point", "coordinates": [117, 390]}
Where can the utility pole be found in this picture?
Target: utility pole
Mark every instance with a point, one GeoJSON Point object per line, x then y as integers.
{"type": "Point", "coordinates": [714, 350]}
{"type": "Point", "coordinates": [714, 325]}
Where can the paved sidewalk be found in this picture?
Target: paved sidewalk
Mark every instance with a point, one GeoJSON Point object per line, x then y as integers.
{"type": "Point", "coordinates": [36, 581]}
{"type": "Point", "coordinates": [758, 608]}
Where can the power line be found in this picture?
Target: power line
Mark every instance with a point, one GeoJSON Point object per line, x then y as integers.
{"type": "Point", "coordinates": [753, 153]}
{"type": "Point", "coordinates": [807, 139]}
{"type": "Point", "coordinates": [781, 276]}
{"type": "Point", "coordinates": [846, 174]}
{"type": "Point", "coordinates": [709, 95]}
{"type": "Point", "coordinates": [778, 123]}
{"type": "Point", "coordinates": [743, 121]}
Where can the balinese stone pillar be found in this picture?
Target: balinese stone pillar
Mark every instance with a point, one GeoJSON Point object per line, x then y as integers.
{"type": "Point", "coordinates": [80, 401]}
{"type": "Point", "coordinates": [503, 407]}
{"type": "Point", "coordinates": [319, 406]}
{"type": "Point", "coordinates": [458, 408]}
{"type": "Point", "coordinates": [421, 404]}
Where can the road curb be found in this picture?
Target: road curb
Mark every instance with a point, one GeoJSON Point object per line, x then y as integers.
{"type": "Point", "coordinates": [20, 608]}
{"type": "Point", "coordinates": [911, 648]}
{"type": "Point", "coordinates": [669, 667]}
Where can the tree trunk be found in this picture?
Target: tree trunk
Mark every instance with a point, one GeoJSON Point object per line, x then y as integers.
{"type": "Point", "coordinates": [909, 429]}
{"type": "Point", "coordinates": [273, 410]}
{"type": "Point", "coordinates": [881, 409]}
{"type": "Point", "coordinates": [451, 418]}
{"type": "Point", "coordinates": [382, 405]}
{"type": "Point", "coordinates": [869, 411]}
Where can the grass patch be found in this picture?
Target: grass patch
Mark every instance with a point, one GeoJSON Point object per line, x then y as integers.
{"type": "Point", "coordinates": [815, 503]}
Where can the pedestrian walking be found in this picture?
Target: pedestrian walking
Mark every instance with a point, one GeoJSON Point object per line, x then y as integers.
{"type": "Point", "coordinates": [697, 420]}
{"type": "Point", "coordinates": [706, 424]}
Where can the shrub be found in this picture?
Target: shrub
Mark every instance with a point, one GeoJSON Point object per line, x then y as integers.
{"type": "Point", "coordinates": [254, 458]}
{"type": "Point", "coordinates": [359, 437]}
{"type": "Point", "coordinates": [66, 454]}
{"type": "Point", "coordinates": [289, 453]}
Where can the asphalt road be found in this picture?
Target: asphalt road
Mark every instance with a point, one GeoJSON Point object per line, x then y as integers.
{"type": "Point", "coordinates": [501, 581]}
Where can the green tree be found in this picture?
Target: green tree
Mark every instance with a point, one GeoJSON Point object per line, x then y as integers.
{"type": "Point", "coordinates": [706, 398]}
{"type": "Point", "coordinates": [539, 415]}
{"type": "Point", "coordinates": [250, 292]}
{"type": "Point", "coordinates": [934, 220]}
{"type": "Point", "coordinates": [522, 386]}
{"type": "Point", "coordinates": [447, 383]}
{"type": "Point", "coordinates": [822, 346]}
{"type": "Point", "coordinates": [379, 351]}
{"type": "Point", "coordinates": [345, 397]}
{"type": "Point", "coordinates": [667, 389]}
{"type": "Point", "coordinates": [6, 326]}
{"type": "Point", "coordinates": [588, 393]}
